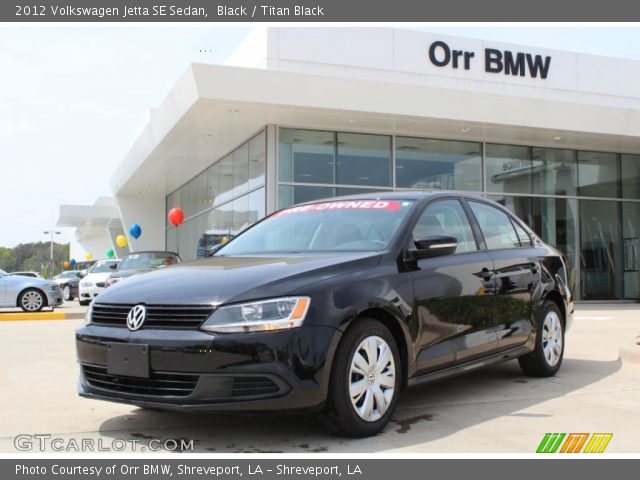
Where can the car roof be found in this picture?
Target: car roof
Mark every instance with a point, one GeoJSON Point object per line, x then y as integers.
{"type": "Point", "coordinates": [397, 195]}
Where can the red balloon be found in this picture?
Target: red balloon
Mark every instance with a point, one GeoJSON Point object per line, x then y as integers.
{"type": "Point", "coordinates": [176, 216]}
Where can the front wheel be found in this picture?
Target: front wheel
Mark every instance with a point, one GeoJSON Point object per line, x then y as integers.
{"type": "Point", "coordinates": [31, 300]}
{"type": "Point", "coordinates": [546, 358]}
{"type": "Point", "coordinates": [66, 293]}
{"type": "Point", "coordinates": [365, 380]}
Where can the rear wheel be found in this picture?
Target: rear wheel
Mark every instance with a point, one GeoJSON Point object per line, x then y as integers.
{"type": "Point", "coordinates": [365, 380]}
{"type": "Point", "coordinates": [546, 358]}
{"type": "Point", "coordinates": [31, 300]}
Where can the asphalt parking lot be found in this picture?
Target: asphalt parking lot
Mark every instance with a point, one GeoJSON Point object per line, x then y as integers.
{"type": "Point", "coordinates": [494, 410]}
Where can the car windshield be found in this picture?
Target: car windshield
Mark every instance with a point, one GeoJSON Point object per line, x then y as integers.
{"type": "Point", "coordinates": [147, 260]}
{"type": "Point", "coordinates": [341, 225]}
{"type": "Point", "coordinates": [71, 273]}
{"type": "Point", "coordinates": [103, 266]}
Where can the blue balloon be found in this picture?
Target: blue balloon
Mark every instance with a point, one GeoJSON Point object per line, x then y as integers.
{"type": "Point", "coordinates": [135, 231]}
{"type": "Point", "coordinates": [72, 261]}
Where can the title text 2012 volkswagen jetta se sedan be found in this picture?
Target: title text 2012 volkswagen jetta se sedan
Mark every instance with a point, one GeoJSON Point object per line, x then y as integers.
{"type": "Point", "coordinates": [335, 306]}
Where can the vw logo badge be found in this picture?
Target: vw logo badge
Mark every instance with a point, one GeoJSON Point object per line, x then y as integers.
{"type": "Point", "coordinates": [136, 317]}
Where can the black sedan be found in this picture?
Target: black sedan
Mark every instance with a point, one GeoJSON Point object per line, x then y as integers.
{"type": "Point", "coordinates": [334, 306]}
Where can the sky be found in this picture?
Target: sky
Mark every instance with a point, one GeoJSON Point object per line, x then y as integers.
{"type": "Point", "coordinates": [72, 100]}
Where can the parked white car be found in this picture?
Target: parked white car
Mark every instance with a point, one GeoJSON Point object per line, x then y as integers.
{"type": "Point", "coordinates": [93, 284]}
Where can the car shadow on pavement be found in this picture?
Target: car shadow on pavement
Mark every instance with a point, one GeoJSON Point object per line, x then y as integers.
{"type": "Point", "coordinates": [425, 413]}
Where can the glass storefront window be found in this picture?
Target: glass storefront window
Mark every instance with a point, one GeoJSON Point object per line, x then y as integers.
{"type": "Point", "coordinates": [306, 156]}
{"type": "Point", "coordinates": [630, 166]}
{"type": "Point", "coordinates": [241, 170]}
{"type": "Point", "coordinates": [257, 160]}
{"type": "Point", "coordinates": [508, 168]}
{"type": "Point", "coordinates": [213, 183]}
{"type": "Point", "coordinates": [226, 180]}
{"type": "Point", "coordinates": [598, 174]}
{"type": "Point", "coordinates": [600, 250]}
{"type": "Point", "coordinates": [554, 171]}
{"type": "Point", "coordinates": [364, 159]}
{"type": "Point", "coordinates": [631, 249]}
{"type": "Point", "coordinates": [290, 195]}
{"type": "Point", "coordinates": [423, 163]}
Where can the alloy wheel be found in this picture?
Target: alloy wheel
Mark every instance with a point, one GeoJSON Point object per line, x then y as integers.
{"type": "Point", "coordinates": [32, 301]}
{"type": "Point", "coordinates": [66, 292]}
{"type": "Point", "coordinates": [552, 338]}
{"type": "Point", "coordinates": [372, 378]}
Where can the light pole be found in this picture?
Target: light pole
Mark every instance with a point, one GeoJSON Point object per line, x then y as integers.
{"type": "Point", "coordinates": [51, 232]}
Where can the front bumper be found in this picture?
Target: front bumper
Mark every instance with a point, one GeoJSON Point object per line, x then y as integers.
{"type": "Point", "coordinates": [194, 370]}
{"type": "Point", "coordinates": [54, 297]}
{"type": "Point", "coordinates": [89, 293]}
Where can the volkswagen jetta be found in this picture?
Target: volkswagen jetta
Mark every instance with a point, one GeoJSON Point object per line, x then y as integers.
{"type": "Point", "coordinates": [335, 306]}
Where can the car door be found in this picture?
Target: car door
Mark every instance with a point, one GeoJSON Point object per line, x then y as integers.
{"type": "Point", "coordinates": [453, 293]}
{"type": "Point", "coordinates": [516, 270]}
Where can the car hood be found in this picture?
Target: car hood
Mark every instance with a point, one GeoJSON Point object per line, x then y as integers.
{"type": "Point", "coordinates": [97, 277]}
{"type": "Point", "coordinates": [219, 280]}
{"type": "Point", "coordinates": [24, 282]}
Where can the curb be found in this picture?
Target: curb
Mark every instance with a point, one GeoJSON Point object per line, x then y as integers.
{"type": "Point", "coordinates": [16, 317]}
{"type": "Point", "coordinates": [630, 352]}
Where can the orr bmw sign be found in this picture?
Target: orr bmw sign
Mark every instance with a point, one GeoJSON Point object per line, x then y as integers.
{"type": "Point", "coordinates": [506, 62]}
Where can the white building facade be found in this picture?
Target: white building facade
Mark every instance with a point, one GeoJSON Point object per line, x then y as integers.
{"type": "Point", "coordinates": [299, 114]}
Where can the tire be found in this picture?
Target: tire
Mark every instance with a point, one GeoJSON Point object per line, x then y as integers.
{"type": "Point", "coordinates": [84, 303]}
{"type": "Point", "coordinates": [66, 293]}
{"type": "Point", "coordinates": [32, 300]}
{"type": "Point", "coordinates": [368, 412]}
{"type": "Point", "coordinates": [546, 358]}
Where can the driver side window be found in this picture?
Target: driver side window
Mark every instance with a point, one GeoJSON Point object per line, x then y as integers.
{"type": "Point", "coordinates": [446, 216]}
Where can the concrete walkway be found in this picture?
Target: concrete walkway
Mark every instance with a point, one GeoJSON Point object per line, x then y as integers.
{"type": "Point", "coordinates": [494, 410]}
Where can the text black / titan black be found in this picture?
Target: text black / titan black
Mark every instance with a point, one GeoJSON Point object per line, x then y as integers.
{"type": "Point", "coordinates": [334, 305]}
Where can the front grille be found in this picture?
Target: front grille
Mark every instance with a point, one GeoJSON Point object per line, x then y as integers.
{"type": "Point", "coordinates": [248, 386]}
{"type": "Point", "coordinates": [159, 384]}
{"type": "Point", "coordinates": [100, 284]}
{"type": "Point", "coordinates": [158, 316]}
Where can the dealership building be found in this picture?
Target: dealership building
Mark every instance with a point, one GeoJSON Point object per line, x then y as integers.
{"type": "Point", "coordinates": [297, 114]}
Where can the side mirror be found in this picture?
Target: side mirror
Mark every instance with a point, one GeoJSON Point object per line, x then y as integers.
{"type": "Point", "coordinates": [79, 275]}
{"type": "Point", "coordinates": [113, 266]}
{"type": "Point", "coordinates": [434, 246]}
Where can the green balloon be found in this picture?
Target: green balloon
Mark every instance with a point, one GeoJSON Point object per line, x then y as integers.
{"type": "Point", "coordinates": [111, 253]}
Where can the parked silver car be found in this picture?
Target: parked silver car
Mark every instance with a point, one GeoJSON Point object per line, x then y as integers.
{"type": "Point", "coordinates": [30, 294]}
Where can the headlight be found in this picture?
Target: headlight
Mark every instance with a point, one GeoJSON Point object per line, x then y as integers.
{"type": "Point", "coordinates": [53, 287]}
{"type": "Point", "coordinates": [86, 284]}
{"type": "Point", "coordinates": [87, 317]}
{"type": "Point", "coordinates": [265, 315]}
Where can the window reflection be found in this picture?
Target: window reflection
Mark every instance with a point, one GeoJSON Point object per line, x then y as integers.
{"type": "Point", "coordinates": [598, 174]}
{"type": "Point", "coordinates": [554, 171]}
{"type": "Point", "coordinates": [364, 159]}
{"type": "Point", "coordinates": [439, 164]}
{"type": "Point", "coordinates": [630, 176]}
{"type": "Point", "coordinates": [508, 168]}
{"type": "Point", "coordinates": [306, 156]}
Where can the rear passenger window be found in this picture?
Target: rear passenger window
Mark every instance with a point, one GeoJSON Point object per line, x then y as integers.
{"type": "Point", "coordinates": [525, 239]}
{"type": "Point", "coordinates": [496, 227]}
{"type": "Point", "coordinates": [446, 216]}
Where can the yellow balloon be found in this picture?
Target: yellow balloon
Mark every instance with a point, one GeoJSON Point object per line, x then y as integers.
{"type": "Point", "coordinates": [88, 256]}
{"type": "Point", "coordinates": [224, 240]}
{"type": "Point", "coordinates": [121, 241]}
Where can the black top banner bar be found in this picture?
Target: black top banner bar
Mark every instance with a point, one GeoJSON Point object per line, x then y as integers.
{"type": "Point", "coordinates": [319, 11]}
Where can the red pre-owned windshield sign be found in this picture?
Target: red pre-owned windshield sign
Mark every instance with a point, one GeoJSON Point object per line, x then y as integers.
{"type": "Point", "coordinates": [344, 205]}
